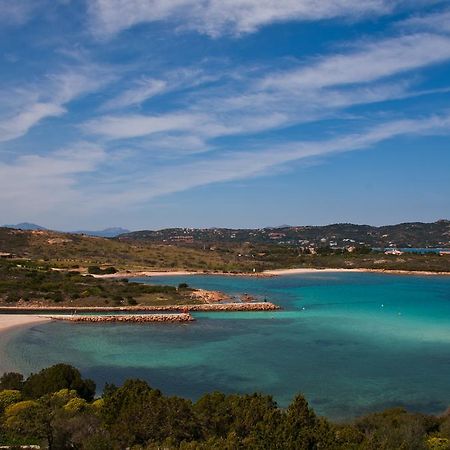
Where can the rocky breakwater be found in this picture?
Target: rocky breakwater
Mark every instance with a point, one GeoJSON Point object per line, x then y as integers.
{"type": "Point", "coordinates": [126, 318]}
{"type": "Point", "coordinates": [255, 306]}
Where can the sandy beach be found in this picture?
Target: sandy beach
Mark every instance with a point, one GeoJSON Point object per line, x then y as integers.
{"type": "Point", "coordinates": [148, 274]}
{"type": "Point", "coordinates": [312, 270]}
{"type": "Point", "coordinates": [266, 273]}
{"type": "Point", "coordinates": [307, 270]}
{"type": "Point", "coordinates": [8, 321]}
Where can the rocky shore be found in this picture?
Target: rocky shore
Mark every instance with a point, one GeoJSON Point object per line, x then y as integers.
{"type": "Point", "coordinates": [143, 318]}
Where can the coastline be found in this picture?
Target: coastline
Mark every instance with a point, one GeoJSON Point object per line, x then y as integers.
{"type": "Point", "coordinates": [268, 273]}
{"type": "Point", "coordinates": [278, 272]}
{"type": "Point", "coordinates": [10, 325]}
{"type": "Point", "coordinates": [11, 321]}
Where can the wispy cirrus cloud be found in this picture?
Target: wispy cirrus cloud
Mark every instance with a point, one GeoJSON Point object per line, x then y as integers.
{"type": "Point", "coordinates": [50, 182]}
{"type": "Point", "coordinates": [47, 182]}
{"type": "Point", "coordinates": [142, 90]}
{"type": "Point", "coordinates": [370, 62]}
{"type": "Point", "coordinates": [26, 106]}
{"type": "Point", "coordinates": [284, 98]}
{"type": "Point", "coordinates": [237, 165]}
{"type": "Point", "coordinates": [16, 12]}
{"type": "Point", "coordinates": [218, 17]}
{"type": "Point", "coordinates": [434, 22]}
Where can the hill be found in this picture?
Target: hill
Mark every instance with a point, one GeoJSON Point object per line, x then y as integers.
{"type": "Point", "coordinates": [415, 234]}
{"type": "Point", "coordinates": [107, 232]}
{"type": "Point", "coordinates": [75, 251]}
{"type": "Point", "coordinates": [25, 226]}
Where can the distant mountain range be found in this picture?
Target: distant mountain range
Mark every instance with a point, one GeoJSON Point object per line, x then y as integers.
{"type": "Point", "coordinates": [107, 232]}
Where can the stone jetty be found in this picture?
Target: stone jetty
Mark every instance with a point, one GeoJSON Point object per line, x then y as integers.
{"type": "Point", "coordinates": [129, 318]}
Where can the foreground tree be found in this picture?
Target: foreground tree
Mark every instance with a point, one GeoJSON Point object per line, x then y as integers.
{"type": "Point", "coordinates": [60, 376]}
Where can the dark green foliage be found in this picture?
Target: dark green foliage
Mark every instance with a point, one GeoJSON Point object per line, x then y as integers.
{"type": "Point", "coordinates": [95, 270]}
{"type": "Point", "coordinates": [136, 413]}
{"type": "Point", "coordinates": [11, 380]}
{"type": "Point", "coordinates": [396, 428]}
{"type": "Point", "coordinates": [60, 376]}
{"type": "Point", "coordinates": [24, 282]}
{"type": "Point", "coordinates": [139, 417]}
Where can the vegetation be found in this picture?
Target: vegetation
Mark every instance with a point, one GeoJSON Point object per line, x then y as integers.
{"type": "Point", "coordinates": [29, 283]}
{"type": "Point", "coordinates": [86, 253]}
{"type": "Point", "coordinates": [415, 234]}
{"type": "Point", "coordinates": [55, 409]}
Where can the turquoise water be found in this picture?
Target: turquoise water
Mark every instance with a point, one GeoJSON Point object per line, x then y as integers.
{"type": "Point", "coordinates": [351, 342]}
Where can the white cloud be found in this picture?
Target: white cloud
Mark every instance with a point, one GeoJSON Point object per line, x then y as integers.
{"type": "Point", "coordinates": [369, 63]}
{"type": "Point", "coordinates": [26, 106]}
{"type": "Point", "coordinates": [19, 124]}
{"type": "Point", "coordinates": [142, 91]}
{"type": "Point", "coordinates": [438, 22]}
{"type": "Point", "coordinates": [36, 185]}
{"type": "Point", "coordinates": [232, 166]}
{"type": "Point", "coordinates": [248, 105]}
{"type": "Point", "coordinates": [137, 125]}
{"type": "Point", "coordinates": [16, 12]}
{"type": "Point", "coordinates": [53, 184]}
{"type": "Point", "coordinates": [216, 17]}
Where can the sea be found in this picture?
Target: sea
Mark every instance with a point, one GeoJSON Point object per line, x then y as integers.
{"type": "Point", "coordinates": [351, 343]}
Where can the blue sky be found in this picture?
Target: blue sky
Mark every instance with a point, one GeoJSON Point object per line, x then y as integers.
{"type": "Point", "coordinates": [236, 113]}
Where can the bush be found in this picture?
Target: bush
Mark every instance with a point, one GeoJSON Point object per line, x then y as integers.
{"type": "Point", "coordinates": [9, 397]}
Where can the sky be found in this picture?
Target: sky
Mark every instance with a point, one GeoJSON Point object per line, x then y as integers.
{"type": "Point", "coordinates": [149, 114]}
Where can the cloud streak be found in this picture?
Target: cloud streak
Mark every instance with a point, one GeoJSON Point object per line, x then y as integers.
{"type": "Point", "coordinates": [219, 17]}
{"type": "Point", "coordinates": [29, 105]}
{"type": "Point", "coordinates": [371, 62]}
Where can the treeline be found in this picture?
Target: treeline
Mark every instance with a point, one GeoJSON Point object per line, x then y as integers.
{"type": "Point", "coordinates": [56, 409]}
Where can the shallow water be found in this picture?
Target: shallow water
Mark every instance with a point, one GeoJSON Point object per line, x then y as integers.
{"type": "Point", "coordinates": [351, 342]}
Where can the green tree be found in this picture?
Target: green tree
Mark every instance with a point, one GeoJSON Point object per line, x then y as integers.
{"type": "Point", "coordinates": [60, 376]}
{"type": "Point", "coordinates": [11, 380]}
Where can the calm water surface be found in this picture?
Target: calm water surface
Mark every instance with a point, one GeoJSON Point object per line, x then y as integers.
{"type": "Point", "coordinates": [351, 342]}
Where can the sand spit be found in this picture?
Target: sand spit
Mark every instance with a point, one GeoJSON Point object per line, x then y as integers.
{"type": "Point", "coordinates": [302, 270]}
{"type": "Point", "coordinates": [132, 318]}
{"type": "Point", "coordinates": [8, 321]}
{"type": "Point", "coordinates": [138, 274]}
{"type": "Point", "coordinates": [267, 273]}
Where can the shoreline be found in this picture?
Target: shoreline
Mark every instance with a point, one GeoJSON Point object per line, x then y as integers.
{"type": "Point", "coordinates": [6, 311]}
{"type": "Point", "coordinates": [269, 273]}
{"type": "Point", "coordinates": [9, 322]}
{"type": "Point", "coordinates": [278, 272]}
{"type": "Point", "coordinates": [10, 326]}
